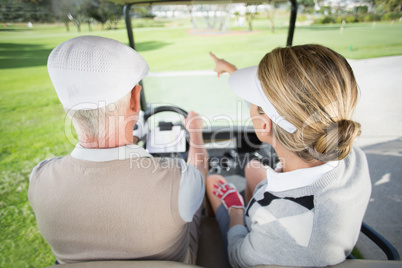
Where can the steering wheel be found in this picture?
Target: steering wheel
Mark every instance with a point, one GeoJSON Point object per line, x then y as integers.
{"type": "Point", "coordinates": [150, 112]}
{"type": "Point", "coordinates": [168, 125]}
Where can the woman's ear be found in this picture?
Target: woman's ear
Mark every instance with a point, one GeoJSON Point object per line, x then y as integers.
{"type": "Point", "coordinates": [266, 126]}
{"type": "Point", "coordinates": [135, 98]}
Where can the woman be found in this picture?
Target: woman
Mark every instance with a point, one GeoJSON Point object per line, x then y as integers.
{"type": "Point", "coordinates": [308, 211]}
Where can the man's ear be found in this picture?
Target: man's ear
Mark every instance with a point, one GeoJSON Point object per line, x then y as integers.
{"type": "Point", "coordinates": [135, 98]}
{"type": "Point", "coordinates": [266, 126]}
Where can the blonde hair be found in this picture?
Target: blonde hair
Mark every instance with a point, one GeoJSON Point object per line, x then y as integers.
{"type": "Point", "coordinates": [92, 124]}
{"type": "Point", "coordinates": [314, 88]}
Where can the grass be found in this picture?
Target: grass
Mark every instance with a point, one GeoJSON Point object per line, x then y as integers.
{"type": "Point", "coordinates": [358, 41]}
{"type": "Point", "coordinates": [32, 122]}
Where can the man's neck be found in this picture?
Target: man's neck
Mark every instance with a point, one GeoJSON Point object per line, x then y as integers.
{"type": "Point", "coordinates": [118, 134]}
{"type": "Point", "coordinates": [109, 141]}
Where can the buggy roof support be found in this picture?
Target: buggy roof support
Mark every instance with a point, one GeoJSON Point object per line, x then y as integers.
{"type": "Point", "coordinates": [292, 22]}
{"type": "Point", "coordinates": [130, 34]}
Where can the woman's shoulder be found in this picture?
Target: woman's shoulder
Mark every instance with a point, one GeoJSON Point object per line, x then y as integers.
{"type": "Point", "coordinates": [356, 160]}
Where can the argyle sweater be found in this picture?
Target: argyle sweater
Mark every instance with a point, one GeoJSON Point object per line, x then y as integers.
{"type": "Point", "coordinates": [315, 225]}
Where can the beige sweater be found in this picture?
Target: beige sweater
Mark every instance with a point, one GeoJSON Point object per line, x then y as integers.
{"type": "Point", "coordinates": [110, 210]}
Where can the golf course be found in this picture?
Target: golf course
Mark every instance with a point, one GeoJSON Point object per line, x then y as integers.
{"type": "Point", "coordinates": [33, 122]}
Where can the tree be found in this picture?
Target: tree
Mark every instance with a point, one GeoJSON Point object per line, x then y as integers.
{"type": "Point", "coordinates": [78, 13]}
{"type": "Point", "coordinates": [25, 10]}
{"type": "Point", "coordinates": [361, 9]}
{"type": "Point", "coordinates": [326, 10]}
{"type": "Point", "coordinates": [273, 6]}
{"type": "Point", "coordinates": [68, 10]}
{"type": "Point", "coordinates": [384, 5]}
{"type": "Point", "coordinates": [389, 5]}
{"type": "Point", "coordinates": [81, 11]}
{"type": "Point", "coordinates": [371, 5]}
{"type": "Point", "coordinates": [271, 14]}
{"type": "Point", "coordinates": [103, 12]}
{"type": "Point", "coordinates": [11, 11]}
{"type": "Point", "coordinates": [214, 15]}
{"type": "Point", "coordinates": [190, 12]}
{"type": "Point", "coordinates": [38, 10]}
{"type": "Point", "coordinates": [251, 13]}
{"type": "Point", "coordinates": [143, 12]}
{"type": "Point", "coordinates": [307, 6]}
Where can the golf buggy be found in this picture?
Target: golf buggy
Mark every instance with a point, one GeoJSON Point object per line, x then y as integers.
{"type": "Point", "coordinates": [230, 143]}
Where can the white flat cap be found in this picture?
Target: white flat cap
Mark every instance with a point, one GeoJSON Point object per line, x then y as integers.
{"type": "Point", "coordinates": [90, 72]}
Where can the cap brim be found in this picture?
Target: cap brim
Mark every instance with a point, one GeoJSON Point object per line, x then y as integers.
{"type": "Point", "coordinates": [245, 83]}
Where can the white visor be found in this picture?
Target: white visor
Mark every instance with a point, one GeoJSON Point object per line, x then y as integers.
{"type": "Point", "coordinates": [245, 83]}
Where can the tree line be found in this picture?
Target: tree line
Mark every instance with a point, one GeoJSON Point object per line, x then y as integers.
{"type": "Point", "coordinates": [364, 11]}
{"type": "Point", "coordinates": [77, 12]}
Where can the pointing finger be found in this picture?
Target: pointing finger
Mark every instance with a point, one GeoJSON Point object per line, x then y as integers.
{"type": "Point", "coordinates": [213, 56]}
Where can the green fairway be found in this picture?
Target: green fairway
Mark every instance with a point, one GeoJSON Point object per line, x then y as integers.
{"type": "Point", "coordinates": [32, 121]}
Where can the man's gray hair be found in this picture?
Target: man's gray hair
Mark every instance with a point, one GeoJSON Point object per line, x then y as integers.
{"type": "Point", "coordinates": [92, 124]}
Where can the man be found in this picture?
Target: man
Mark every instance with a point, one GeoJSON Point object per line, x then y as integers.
{"type": "Point", "coordinates": [109, 198]}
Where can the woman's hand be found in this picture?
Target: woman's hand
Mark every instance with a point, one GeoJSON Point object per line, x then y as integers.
{"type": "Point", "coordinates": [222, 66]}
{"type": "Point", "coordinates": [229, 195]}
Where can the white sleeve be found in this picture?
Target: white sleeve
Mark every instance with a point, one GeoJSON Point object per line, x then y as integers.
{"type": "Point", "coordinates": [191, 192]}
{"type": "Point", "coordinates": [237, 243]}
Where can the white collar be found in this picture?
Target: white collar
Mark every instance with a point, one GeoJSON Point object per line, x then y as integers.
{"type": "Point", "coordinates": [282, 181]}
{"type": "Point", "coordinates": [109, 154]}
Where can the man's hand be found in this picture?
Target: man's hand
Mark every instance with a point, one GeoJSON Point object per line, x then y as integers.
{"type": "Point", "coordinates": [229, 195]}
{"type": "Point", "coordinates": [222, 66]}
{"type": "Point", "coordinates": [193, 123]}
{"type": "Point", "coordinates": [197, 154]}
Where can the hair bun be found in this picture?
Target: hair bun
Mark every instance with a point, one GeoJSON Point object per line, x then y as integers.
{"type": "Point", "coordinates": [336, 141]}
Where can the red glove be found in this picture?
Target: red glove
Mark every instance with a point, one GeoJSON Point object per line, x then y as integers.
{"type": "Point", "coordinates": [229, 195]}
